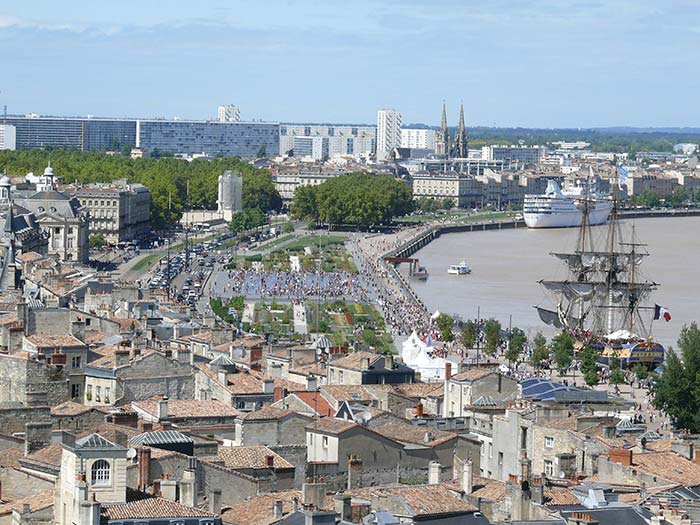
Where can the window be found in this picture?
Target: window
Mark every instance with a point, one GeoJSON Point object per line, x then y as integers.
{"type": "Point", "coordinates": [75, 391]}
{"type": "Point", "coordinates": [75, 361]}
{"type": "Point", "coordinates": [98, 393]}
{"type": "Point", "coordinates": [325, 441]}
{"type": "Point", "coordinates": [549, 441]}
{"type": "Point", "coordinates": [500, 458]}
{"type": "Point", "coordinates": [100, 472]}
{"type": "Point", "coordinates": [548, 468]}
{"type": "Point", "coordinates": [107, 394]}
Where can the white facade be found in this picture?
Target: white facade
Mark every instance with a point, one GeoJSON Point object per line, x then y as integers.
{"type": "Point", "coordinates": [8, 137]}
{"type": "Point", "coordinates": [342, 139]}
{"type": "Point", "coordinates": [388, 132]}
{"type": "Point", "coordinates": [418, 138]}
{"type": "Point", "coordinates": [229, 113]}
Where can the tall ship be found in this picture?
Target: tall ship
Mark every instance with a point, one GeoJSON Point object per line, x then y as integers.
{"type": "Point", "coordinates": [558, 208]}
{"type": "Point", "coordinates": [604, 301]}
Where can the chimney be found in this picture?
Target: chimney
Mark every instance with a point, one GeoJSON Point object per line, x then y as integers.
{"type": "Point", "coordinates": [354, 466]}
{"type": "Point", "coordinates": [312, 495]}
{"type": "Point", "coordinates": [222, 376]}
{"type": "Point", "coordinates": [162, 408]}
{"type": "Point", "coordinates": [156, 488]}
{"type": "Point", "coordinates": [215, 501]}
{"type": "Point", "coordinates": [270, 461]}
{"type": "Point", "coordinates": [36, 436]}
{"type": "Point", "coordinates": [268, 386]}
{"type": "Point", "coordinates": [278, 393]}
{"type": "Point", "coordinates": [343, 507]}
{"type": "Point", "coordinates": [537, 490]}
{"type": "Point", "coordinates": [168, 488]}
{"type": "Point", "coordinates": [145, 426]}
{"type": "Point", "coordinates": [427, 437]}
{"type": "Point", "coordinates": [419, 410]}
{"type": "Point", "coordinates": [121, 357]}
{"type": "Point", "coordinates": [621, 455]}
{"type": "Point", "coordinates": [277, 508]}
{"type": "Point", "coordinates": [295, 504]}
{"type": "Point", "coordinates": [696, 457]}
{"type": "Point", "coordinates": [388, 361]}
{"type": "Point", "coordinates": [468, 476]}
{"type": "Point", "coordinates": [311, 383]}
{"type": "Point", "coordinates": [364, 363]}
{"type": "Point", "coordinates": [434, 473]}
{"type": "Point", "coordinates": [21, 309]}
{"type": "Point", "coordinates": [144, 473]}
{"type": "Point", "coordinates": [448, 371]}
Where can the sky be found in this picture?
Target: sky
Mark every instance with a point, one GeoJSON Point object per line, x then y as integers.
{"type": "Point", "coordinates": [529, 63]}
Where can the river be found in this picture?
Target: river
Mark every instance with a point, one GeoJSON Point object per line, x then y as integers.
{"type": "Point", "coordinates": [506, 265]}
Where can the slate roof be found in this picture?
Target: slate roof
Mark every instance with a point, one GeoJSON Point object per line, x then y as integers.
{"type": "Point", "coordinates": [96, 442]}
{"type": "Point", "coordinates": [160, 437]}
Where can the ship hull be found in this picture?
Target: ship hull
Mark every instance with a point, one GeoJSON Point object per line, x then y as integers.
{"type": "Point", "coordinates": [650, 354]}
{"type": "Point", "coordinates": [567, 218]}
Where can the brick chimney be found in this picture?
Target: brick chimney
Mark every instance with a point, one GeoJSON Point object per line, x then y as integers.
{"type": "Point", "coordinates": [277, 393]}
{"type": "Point", "coordinates": [419, 410]}
{"type": "Point", "coordinates": [269, 461]}
{"type": "Point", "coordinates": [621, 455]}
{"type": "Point", "coordinates": [448, 371]}
{"type": "Point", "coordinates": [144, 473]}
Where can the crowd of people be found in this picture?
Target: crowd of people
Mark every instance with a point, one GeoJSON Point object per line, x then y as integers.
{"type": "Point", "coordinates": [290, 284]}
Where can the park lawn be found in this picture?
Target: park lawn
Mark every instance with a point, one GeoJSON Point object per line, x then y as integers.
{"type": "Point", "coordinates": [147, 262]}
{"type": "Point", "coordinates": [274, 242]}
{"type": "Point", "coordinates": [313, 240]}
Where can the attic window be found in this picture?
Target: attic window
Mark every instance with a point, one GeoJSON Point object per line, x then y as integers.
{"type": "Point", "coordinates": [100, 473]}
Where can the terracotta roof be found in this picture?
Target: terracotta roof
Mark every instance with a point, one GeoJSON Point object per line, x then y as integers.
{"type": "Point", "coordinates": [554, 497]}
{"type": "Point", "coordinates": [40, 501]}
{"type": "Point", "coordinates": [488, 489]}
{"type": "Point", "coordinates": [428, 500]}
{"type": "Point", "coordinates": [50, 455]}
{"type": "Point", "coordinates": [10, 457]}
{"type": "Point", "coordinates": [407, 433]}
{"type": "Point", "coordinates": [474, 373]}
{"type": "Point", "coordinates": [669, 466]}
{"type": "Point", "coordinates": [340, 393]}
{"type": "Point", "coordinates": [332, 425]}
{"type": "Point", "coordinates": [69, 408]}
{"type": "Point", "coordinates": [317, 402]}
{"type": "Point", "coordinates": [254, 456]}
{"type": "Point", "coordinates": [143, 506]}
{"type": "Point", "coordinates": [312, 369]}
{"type": "Point", "coordinates": [258, 510]}
{"type": "Point", "coordinates": [185, 408]}
{"type": "Point", "coordinates": [661, 445]}
{"type": "Point", "coordinates": [46, 341]}
{"type": "Point", "coordinates": [111, 432]}
{"type": "Point", "coordinates": [266, 412]}
{"type": "Point", "coordinates": [125, 323]}
{"type": "Point", "coordinates": [242, 342]}
{"type": "Point", "coordinates": [29, 256]}
{"type": "Point", "coordinates": [353, 361]}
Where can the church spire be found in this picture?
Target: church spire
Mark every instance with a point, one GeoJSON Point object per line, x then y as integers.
{"type": "Point", "coordinates": [442, 140]}
{"type": "Point", "coordinates": [460, 146]}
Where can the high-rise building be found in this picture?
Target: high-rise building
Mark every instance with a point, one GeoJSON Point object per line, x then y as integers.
{"type": "Point", "coordinates": [316, 148]}
{"type": "Point", "coordinates": [388, 132]}
{"type": "Point", "coordinates": [418, 138]}
{"type": "Point", "coordinates": [229, 113]}
{"type": "Point", "coordinates": [7, 137]}
{"type": "Point", "coordinates": [342, 139]}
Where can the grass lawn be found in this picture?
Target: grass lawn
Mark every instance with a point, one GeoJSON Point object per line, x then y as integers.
{"type": "Point", "coordinates": [146, 263]}
{"type": "Point", "coordinates": [313, 240]}
{"type": "Point", "coordinates": [274, 242]}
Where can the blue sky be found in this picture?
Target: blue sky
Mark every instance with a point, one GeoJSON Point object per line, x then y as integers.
{"type": "Point", "coordinates": [536, 63]}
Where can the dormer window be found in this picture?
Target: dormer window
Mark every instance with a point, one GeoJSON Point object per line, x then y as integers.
{"type": "Point", "coordinates": [100, 473]}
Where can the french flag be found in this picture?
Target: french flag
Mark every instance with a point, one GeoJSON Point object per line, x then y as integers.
{"type": "Point", "coordinates": [661, 312]}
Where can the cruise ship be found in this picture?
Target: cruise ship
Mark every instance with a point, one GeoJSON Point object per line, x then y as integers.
{"type": "Point", "coordinates": [563, 209]}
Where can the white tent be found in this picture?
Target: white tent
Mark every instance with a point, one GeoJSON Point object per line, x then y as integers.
{"type": "Point", "coordinates": [414, 353]}
{"type": "Point", "coordinates": [435, 315]}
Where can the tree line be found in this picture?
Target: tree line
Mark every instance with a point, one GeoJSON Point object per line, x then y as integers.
{"type": "Point", "coordinates": [166, 178]}
{"type": "Point", "coordinates": [358, 199]}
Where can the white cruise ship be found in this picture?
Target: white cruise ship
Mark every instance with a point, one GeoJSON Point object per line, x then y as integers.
{"type": "Point", "coordinates": [562, 209]}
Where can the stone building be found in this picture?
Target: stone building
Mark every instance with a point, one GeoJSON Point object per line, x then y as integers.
{"type": "Point", "coordinates": [467, 387]}
{"type": "Point", "coordinates": [367, 368]}
{"type": "Point", "coordinates": [62, 217]}
{"type": "Point", "coordinates": [119, 211]}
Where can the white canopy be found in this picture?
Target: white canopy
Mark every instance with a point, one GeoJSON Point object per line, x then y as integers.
{"type": "Point", "coordinates": [415, 354]}
{"type": "Point", "coordinates": [435, 315]}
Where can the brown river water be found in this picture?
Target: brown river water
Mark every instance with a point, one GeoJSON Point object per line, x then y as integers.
{"type": "Point", "coordinates": [507, 265]}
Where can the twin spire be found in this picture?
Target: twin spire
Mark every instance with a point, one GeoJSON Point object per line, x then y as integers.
{"type": "Point", "coordinates": [459, 147]}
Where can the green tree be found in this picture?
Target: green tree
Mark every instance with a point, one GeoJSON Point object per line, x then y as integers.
{"type": "Point", "coordinates": [448, 203]}
{"type": "Point", "coordinates": [445, 324]}
{"type": "Point", "coordinates": [676, 390]}
{"type": "Point", "coordinates": [641, 372]}
{"type": "Point", "coordinates": [563, 350]}
{"type": "Point", "coordinates": [304, 205]}
{"type": "Point", "coordinates": [246, 220]}
{"type": "Point", "coordinates": [540, 352]}
{"type": "Point", "coordinates": [469, 334]}
{"type": "Point", "coordinates": [678, 197]}
{"type": "Point", "coordinates": [492, 332]}
{"type": "Point", "coordinates": [97, 241]}
{"type": "Point", "coordinates": [288, 227]}
{"type": "Point", "coordinates": [617, 376]}
{"type": "Point", "coordinates": [516, 344]}
{"type": "Point", "coordinates": [589, 357]}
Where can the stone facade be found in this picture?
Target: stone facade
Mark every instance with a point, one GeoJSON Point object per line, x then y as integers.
{"type": "Point", "coordinates": [33, 382]}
